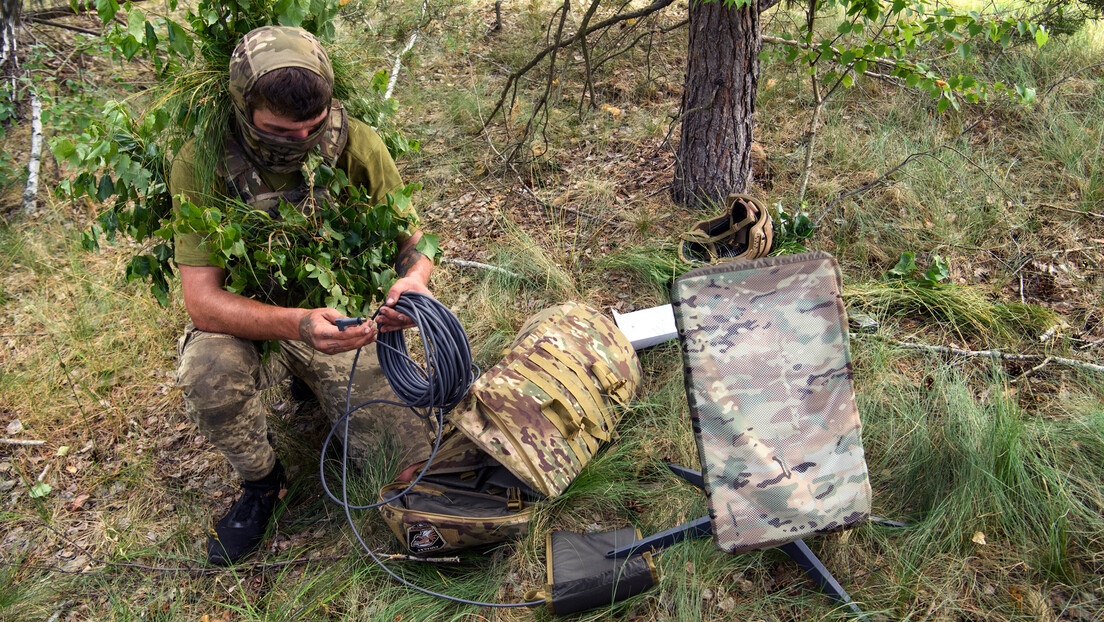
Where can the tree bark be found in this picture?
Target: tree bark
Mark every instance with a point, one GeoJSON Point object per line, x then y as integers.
{"type": "Point", "coordinates": [718, 101]}
{"type": "Point", "coordinates": [9, 35]}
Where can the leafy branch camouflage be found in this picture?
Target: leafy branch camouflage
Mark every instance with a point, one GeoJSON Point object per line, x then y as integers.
{"type": "Point", "coordinates": [338, 255]}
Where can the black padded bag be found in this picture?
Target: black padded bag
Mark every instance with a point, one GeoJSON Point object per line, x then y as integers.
{"type": "Point", "coordinates": [580, 576]}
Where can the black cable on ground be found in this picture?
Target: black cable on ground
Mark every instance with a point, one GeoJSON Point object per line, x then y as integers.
{"type": "Point", "coordinates": [430, 391]}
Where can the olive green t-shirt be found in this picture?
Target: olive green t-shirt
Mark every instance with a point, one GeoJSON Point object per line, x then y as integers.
{"type": "Point", "coordinates": [365, 161]}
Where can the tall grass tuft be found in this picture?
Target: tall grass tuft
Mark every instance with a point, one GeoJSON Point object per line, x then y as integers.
{"type": "Point", "coordinates": [959, 310]}
{"type": "Point", "coordinates": [654, 268]}
{"type": "Point", "coordinates": [976, 474]}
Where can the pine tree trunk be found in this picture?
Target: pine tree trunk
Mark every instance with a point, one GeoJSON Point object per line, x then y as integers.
{"type": "Point", "coordinates": [718, 100]}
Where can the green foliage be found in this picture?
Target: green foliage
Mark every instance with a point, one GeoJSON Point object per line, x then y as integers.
{"type": "Point", "coordinates": [906, 269]}
{"type": "Point", "coordinates": [215, 28]}
{"type": "Point", "coordinates": [116, 160]}
{"type": "Point", "coordinates": [886, 37]}
{"type": "Point", "coordinates": [791, 230]}
{"type": "Point", "coordinates": [338, 255]}
{"type": "Point", "coordinates": [123, 156]}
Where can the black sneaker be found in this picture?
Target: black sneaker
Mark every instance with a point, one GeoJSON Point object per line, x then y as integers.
{"type": "Point", "coordinates": [239, 532]}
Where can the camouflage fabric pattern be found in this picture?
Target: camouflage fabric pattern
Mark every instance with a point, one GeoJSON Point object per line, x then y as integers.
{"type": "Point", "coordinates": [425, 531]}
{"type": "Point", "coordinates": [768, 382]}
{"type": "Point", "coordinates": [458, 454]}
{"type": "Point", "coordinates": [263, 50]}
{"type": "Point", "coordinates": [222, 377]}
{"type": "Point", "coordinates": [544, 410]}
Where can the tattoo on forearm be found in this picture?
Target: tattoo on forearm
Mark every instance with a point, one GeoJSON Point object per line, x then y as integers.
{"type": "Point", "coordinates": [407, 260]}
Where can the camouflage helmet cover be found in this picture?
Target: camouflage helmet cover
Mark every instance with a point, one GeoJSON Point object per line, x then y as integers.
{"type": "Point", "coordinates": [274, 47]}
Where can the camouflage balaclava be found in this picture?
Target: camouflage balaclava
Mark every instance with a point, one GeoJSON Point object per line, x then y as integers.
{"type": "Point", "coordinates": [259, 52]}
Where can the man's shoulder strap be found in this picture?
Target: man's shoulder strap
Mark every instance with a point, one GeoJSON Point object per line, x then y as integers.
{"type": "Point", "coordinates": [338, 136]}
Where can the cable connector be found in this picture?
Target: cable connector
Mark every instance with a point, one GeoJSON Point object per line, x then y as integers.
{"type": "Point", "coordinates": [346, 322]}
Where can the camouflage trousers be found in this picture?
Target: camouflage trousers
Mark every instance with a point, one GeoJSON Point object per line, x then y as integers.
{"type": "Point", "coordinates": [222, 377]}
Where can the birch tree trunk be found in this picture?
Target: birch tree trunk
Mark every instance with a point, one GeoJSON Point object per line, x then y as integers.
{"type": "Point", "coordinates": [10, 11]}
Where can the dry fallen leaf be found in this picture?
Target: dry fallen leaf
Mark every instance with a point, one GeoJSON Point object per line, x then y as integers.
{"type": "Point", "coordinates": [979, 538]}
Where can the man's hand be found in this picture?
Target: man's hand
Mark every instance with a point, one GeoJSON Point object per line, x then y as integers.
{"type": "Point", "coordinates": [389, 318]}
{"type": "Point", "coordinates": [414, 269]}
{"type": "Point", "coordinates": [318, 330]}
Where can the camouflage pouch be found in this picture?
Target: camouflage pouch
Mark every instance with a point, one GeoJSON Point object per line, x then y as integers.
{"type": "Point", "coordinates": [544, 410]}
{"type": "Point", "coordinates": [466, 499]}
{"type": "Point", "coordinates": [768, 382]}
{"type": "Point", "coordinates": [433, 518]}
{"type": "Point", "coordinates": [529, 425]}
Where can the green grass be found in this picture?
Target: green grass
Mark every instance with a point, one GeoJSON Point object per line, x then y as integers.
{"type": "Point", "coordinates": [961, 311]}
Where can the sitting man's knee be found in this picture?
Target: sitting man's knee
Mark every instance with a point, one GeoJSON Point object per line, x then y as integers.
{"type": "Point", "coordinates": [217, 376]}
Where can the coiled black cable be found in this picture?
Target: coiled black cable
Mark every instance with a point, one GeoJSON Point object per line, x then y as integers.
{"type": "Point", "coordinates": [430, 391]}
{"type": "Point", "coordinates": [436, 388]}
{"type": "Point", "coordinates": [449, 371]}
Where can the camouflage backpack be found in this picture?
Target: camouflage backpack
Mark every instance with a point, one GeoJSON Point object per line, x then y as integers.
{"type": "Point", "coordinates": [768, 384]}
{"type": "Point", "coordinates": [529, 425]}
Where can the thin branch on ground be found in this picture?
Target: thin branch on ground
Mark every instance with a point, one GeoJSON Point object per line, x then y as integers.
{"type": "Point", "coordinates": [1092, 344]}
{"type": "Point", "coordinates": [1071, 211]}
{"type": "Point", "coordinates": [1067, 77]}
{"type": "Point", "coordinates": [19, 441]}
{"type": "Point", "coordinates": [997, 354]}
{"type": "Point", "coordinates": [885, 177]}
{"type": "Point", "coordinates": [1027, 373]}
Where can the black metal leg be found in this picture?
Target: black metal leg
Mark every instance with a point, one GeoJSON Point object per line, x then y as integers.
{"type": "Point", "coordinates": [699, 528]}
{"type": "Point", "coordinates": [886, 521]}
{"type": "Point", "coordinates": [811, 564]}
{"type": "Point", "coordinates": [690, 475]}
